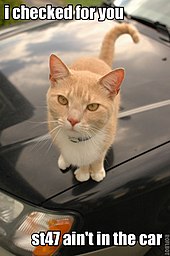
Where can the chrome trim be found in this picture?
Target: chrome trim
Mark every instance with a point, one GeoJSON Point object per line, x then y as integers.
{"type": "Point", "coordinates": [144, 108]}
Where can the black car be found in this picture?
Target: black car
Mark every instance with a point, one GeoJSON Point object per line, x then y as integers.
{"type": "Point", "coordinates": [36, 196]}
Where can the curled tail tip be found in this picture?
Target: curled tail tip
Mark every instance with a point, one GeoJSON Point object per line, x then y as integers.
{"type": "Point", "coordinates": [136, 38]}
{"type": "Point", "coordinates": [134, 33]}
{"type": "Point", "coordinates": [126, 28]}
{"type": "Point", "coordinates": [107, 49]}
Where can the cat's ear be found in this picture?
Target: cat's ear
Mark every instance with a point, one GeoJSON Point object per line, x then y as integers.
{"type": "Point", "coordinates": [112, 81]}
{"type": "Point", "coordinates": [58, 69]}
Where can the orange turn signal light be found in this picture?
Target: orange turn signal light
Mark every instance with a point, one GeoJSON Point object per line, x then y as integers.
{"type": "Point", "coordinates": [62, 225]}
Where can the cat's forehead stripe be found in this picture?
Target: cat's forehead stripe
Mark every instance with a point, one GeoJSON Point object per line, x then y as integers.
{"type": "Point", "coordinates": [80, 93]}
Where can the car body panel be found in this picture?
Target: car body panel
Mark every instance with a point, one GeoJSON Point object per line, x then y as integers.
{"type": "Point", "coordinates": [119, 251]}
{"type": "Point", "coordinates": [35, 161]}
{"type": "Point", "coordinates": [134, 196]}
{"type": "Point", "coordinates": [29, 169]}
{"type": "Point", "coordinates": [24, 62]}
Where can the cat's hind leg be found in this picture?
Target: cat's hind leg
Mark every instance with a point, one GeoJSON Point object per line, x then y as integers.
{"type": "Point", "coordinates": [82, 173]}
{"type": "Point", "coordinates": [63, 165]}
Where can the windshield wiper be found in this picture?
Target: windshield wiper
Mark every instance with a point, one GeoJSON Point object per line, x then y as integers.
{"type": "Point", "coordinates": [160, 27]}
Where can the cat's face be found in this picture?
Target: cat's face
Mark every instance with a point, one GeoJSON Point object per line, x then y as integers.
{"type": "Point", "coordinates": [79, 105]}
{"type": "Point", "coordinates": [78, 101]}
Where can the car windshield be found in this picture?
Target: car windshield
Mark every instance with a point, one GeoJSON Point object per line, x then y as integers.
{"type": "Point", "coordinates": [154, 10]}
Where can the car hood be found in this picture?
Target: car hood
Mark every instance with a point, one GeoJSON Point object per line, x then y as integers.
{"type": "Point", "coordinates": [28, 160]}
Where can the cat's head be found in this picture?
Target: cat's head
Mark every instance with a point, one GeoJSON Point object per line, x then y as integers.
{"type": "Point", "coordinates": [81, 102]}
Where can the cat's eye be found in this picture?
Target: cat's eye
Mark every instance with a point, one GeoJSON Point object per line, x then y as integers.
{"type": "Point", "coordinates": [62, 100]}
{"type": "Point", "coordinates": [93, 106]}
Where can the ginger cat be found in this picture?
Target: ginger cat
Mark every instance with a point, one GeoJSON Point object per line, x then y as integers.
{"type": "Point", "coordinates": [83, 103]}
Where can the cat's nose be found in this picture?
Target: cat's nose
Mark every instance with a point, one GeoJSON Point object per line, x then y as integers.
{"type": "Point", "coordinates": [73, 121]}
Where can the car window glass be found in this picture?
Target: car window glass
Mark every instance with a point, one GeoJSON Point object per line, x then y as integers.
{"type": "Point", "coordinates": [155, 10]}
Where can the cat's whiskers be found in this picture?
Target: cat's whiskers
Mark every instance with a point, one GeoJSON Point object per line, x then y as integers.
{"type": "Point", "coordinates": [55, 128]}
{"type": "Point", "coordinates": [41, 122]}
{"type": "Point", "coordinates": [91, 136]}
{"type": "Point", "coordinates": [96, 131]}
{"type": "Point", "coordinates": [60, 121]}
{"type": "Point", "coordinates": [44, 139]}
{"type": "Point", "coordinates": [100, 131]}
{"type": "Point", "coordinates": [93, 141]}
{"type": "Point", "coordinates": [55, 136]}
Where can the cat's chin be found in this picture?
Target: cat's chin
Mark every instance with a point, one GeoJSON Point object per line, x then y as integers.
{"type": "Point", "coordinates": [72, 133]}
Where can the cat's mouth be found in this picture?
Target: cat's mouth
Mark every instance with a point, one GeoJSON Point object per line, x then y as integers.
{"type": "Point", "coordinates": [71, 132]}
{"type": "Point", "coordinates": [76, 136]}
{"type": "Point", "coordinates": [79, 139]}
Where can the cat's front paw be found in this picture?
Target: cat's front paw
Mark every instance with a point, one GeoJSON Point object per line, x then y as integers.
{"type": "Point", "coordinates": [98, 176]}
{"type": "Point", "coordinates": [63, 165]}
{"type": "Point", "coordinates": [82, 175]}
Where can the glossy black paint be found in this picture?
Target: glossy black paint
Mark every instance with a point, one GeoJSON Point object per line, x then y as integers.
{"type": "Point", "coordinates": [136, 192]}
{"type": "Point", "coordinates": [135, 198]}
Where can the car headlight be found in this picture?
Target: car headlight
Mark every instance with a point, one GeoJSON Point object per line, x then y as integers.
{"type": "Point", "coordinates": [19, 221]}
{"type": "Point", "coordinates": [9, 209]}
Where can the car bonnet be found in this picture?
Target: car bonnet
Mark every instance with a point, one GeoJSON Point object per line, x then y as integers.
{"type": "Point", "coordinates": [28, 160]}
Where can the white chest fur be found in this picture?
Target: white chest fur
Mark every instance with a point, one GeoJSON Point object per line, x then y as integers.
{"type": "Point", "coordinates": [81, 153]}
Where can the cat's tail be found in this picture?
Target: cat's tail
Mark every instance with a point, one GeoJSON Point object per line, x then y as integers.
{"type": "Point", "coordinates": [108, 44]}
